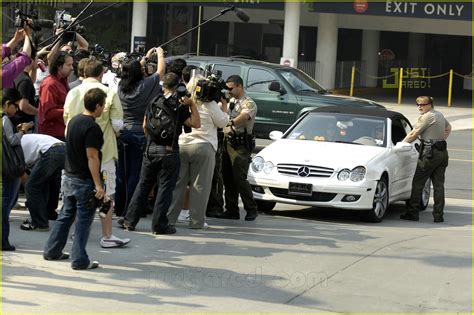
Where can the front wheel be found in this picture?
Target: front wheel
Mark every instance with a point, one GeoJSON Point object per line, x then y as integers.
{"type": "Point", "coordinates": [380, 203]}
{"type": "Point", "coordinates": [265, 206]}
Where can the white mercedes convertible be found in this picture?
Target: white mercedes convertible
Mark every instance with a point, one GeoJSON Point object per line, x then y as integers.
{"type": "Point", "coordinates": [340, 157]}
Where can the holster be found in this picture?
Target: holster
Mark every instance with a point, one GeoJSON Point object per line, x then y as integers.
{"type": "Point", "coordinates": [440, 145]}
{"type": "Point", "coordinates": [426, 150]}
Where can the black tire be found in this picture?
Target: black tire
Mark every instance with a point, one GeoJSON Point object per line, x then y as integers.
{"type": "Point", "coordinates": [380, 203]}
{"type": "Point", "coordinates": [425, 198]}
{"type": "Point", "coordinates": [265, 206]}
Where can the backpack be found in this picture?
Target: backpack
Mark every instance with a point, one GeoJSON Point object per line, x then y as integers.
{"type": "Point", "coordinates": [13, 160]}
{"type": "Point", "coordinates": [161, 119]}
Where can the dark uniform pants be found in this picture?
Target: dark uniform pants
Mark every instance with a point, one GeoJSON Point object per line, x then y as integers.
{"type": "Point", "coordinates": [235, 165]}
{"type": "Point", "coordinates": [435, 169]}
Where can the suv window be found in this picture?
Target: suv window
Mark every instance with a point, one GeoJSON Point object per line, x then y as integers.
{"type": "Point", "coordinates": [227, 71]}
{"type": "Point", "coordinates": [258, 80]}
{"type": "Point", "coordinates": [300, 81]}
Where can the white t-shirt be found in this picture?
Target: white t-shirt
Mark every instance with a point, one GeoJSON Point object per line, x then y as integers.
{"type": "Point", "coordinates": [34, 144]}
{"type": "Point", "coordinates": [40, 76]}
{"type": "Point", "coordinates": [110, 79]}
{"type": "Point", "coordinates": [212, 117]}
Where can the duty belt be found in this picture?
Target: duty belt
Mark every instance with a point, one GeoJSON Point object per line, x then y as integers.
{"type": "Point", "coordinates": [426, 149]}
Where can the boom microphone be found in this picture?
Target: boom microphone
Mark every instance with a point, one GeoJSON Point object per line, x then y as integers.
{"type": "Point", "coordinates": [241, 15]}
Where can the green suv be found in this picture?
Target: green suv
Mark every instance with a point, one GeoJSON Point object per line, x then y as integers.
{"type": "Point", "coordinates": [282, 93]}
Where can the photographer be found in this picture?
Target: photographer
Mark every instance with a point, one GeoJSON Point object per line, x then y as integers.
{"type": "Point", "coordinates": [53, 91]}
{"type": "Point", "coordinates": [28, 104]}
{"type": "Point", "coordinates": [16, 66]}
{"type": "Point", "coordinates": [161, 159]}
{"type": "Point", "coordinates": [135, 93]}
{"type": "Point", "coordinates": [197, 151]}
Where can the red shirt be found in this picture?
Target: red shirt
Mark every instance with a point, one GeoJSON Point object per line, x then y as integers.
{"type": "Point", "coordinates": [52, 92]}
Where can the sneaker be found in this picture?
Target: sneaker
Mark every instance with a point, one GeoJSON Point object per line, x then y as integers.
{"type": "Point", "coordinates": [125, 225]}
{"type": "Point", "coordinates": [184, 216]}
{"type": "Point", "coordinates": [204, 227]}
{"type": "Point", "coordinates": [31, 227]}
{"type": "Point", "coordinates": [92, 265]}
{"type": "Point", "coordinates": [113, 241]}
{"type": "Point", "coordinates": [438, 220]}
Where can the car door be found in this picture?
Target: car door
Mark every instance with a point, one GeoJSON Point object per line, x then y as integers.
{"type": "Point", "coordinates": [403, 163]}
{"type": "Point", "coordinates": [275, 110]}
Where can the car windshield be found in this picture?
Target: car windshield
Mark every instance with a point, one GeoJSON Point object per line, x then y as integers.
{"type": "Point", "coordinates": [301, 82]}
{"type": "Point", "coordinates": [340, 128]}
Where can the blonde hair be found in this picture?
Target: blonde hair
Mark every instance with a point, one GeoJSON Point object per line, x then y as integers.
{"type": "Point", "coordinates": [191, 87]}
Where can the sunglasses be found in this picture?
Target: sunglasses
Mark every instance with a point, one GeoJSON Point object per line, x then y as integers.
{"type": "Point", "coordinates": [421, 105]}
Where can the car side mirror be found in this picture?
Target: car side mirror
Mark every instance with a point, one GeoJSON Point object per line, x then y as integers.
{"type": "Point", "coordinates": [275, 135]}
{"type": "Point", "coordinates": [275, 86]}
{"type": "Point", "coordinates": [403, 147]}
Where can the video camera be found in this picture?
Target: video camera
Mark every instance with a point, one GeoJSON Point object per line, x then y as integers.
{"type": "Point", "coordinates": [101, 54]}
{"type": "Point", "coordinates": [62, 19]}
{"type": "Point", "coordinates": [181, 91]}
{"type": "Point", "coordinates": [31, 20]}
{"type": "Point", "coordinates": [212, 87]}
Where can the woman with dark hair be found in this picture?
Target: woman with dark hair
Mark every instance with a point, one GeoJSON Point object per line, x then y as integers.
{"type": "Point", "coordinates": [10, 186]}
{"type": "Point", "coordinates": [135, 93]}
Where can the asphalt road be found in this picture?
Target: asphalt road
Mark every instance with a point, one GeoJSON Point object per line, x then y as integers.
{"type": "Point", "coordinates": [298, 260]}
{"type": "Point", "coordinates": [459, 172]}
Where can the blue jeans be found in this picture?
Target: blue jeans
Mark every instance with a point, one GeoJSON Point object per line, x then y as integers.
{"type": "Point", "coordinates": [42, 188]}
{"type": "Point", "coordinates": [130, 146]}
{"type": "Point", "coordinates": [161, 167]}
{"type": "Point", "coordinates": [10, 188]}
{"type": "Point", "coordinates": [76, 192]}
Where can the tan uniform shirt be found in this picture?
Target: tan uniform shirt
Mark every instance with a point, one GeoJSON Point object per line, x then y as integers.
{"type": "Point", "coordinates": [432, 126]}
{"type": "Point", "coordinates": [244, 105]}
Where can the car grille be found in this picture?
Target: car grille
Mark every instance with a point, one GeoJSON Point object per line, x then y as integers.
{"type": "Point", "coordinates": [314, 171]}
{"type": "Point", "coordinates": [316, 196]}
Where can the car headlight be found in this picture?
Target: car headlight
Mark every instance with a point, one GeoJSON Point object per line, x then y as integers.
{"type": "Point", "coordinates": [268, 167]}
{"type": "Point", "coordinates": [257, 164]}
{"type": "Point", "coordinates": [358, 174]}
{"type": "Point", "coordinates": [344, 174]}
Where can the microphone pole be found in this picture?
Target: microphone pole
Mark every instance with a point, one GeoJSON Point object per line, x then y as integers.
{"type": "Point", "coordinates": [73, 23]}
{"type": "Point", "coordinates": [232, 8]}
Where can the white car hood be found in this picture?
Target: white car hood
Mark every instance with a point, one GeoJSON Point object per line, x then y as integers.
{"type": "Point", "coordinates": [318, 153]}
